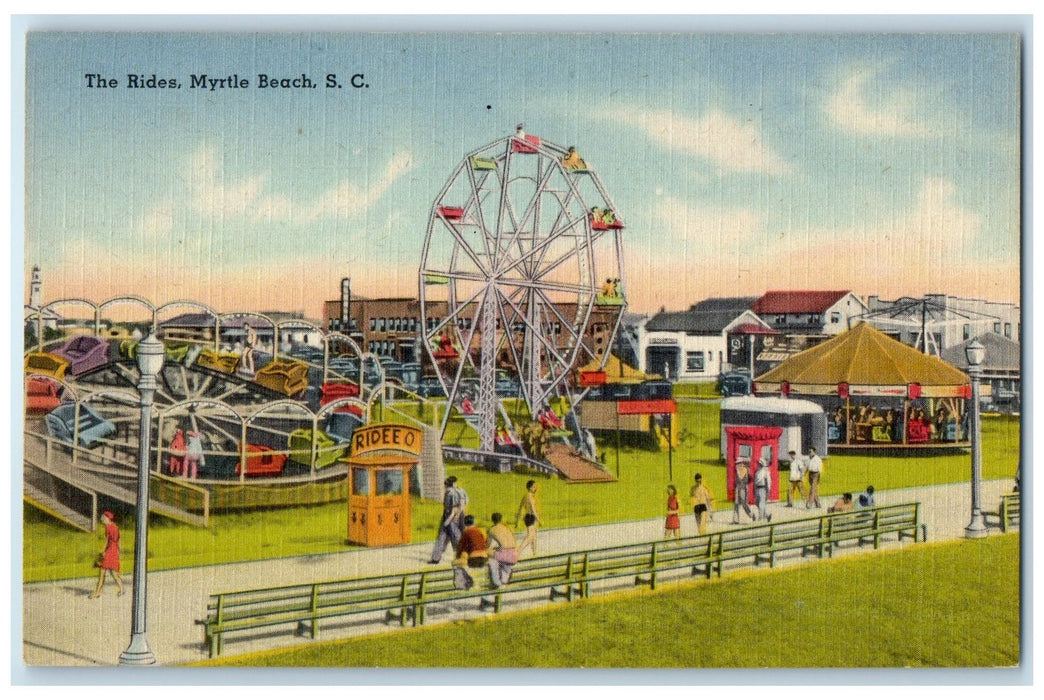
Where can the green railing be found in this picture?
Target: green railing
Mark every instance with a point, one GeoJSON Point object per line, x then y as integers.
{"type": "Point", "coordinates": [407, 596]}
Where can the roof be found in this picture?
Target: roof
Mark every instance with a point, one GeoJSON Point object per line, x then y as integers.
{"type": "Point", "coordinates": [737, 304]}
{"type": "Point", "coordinates": [618, 372]}
{"type": "Point", "coordinates": [706, 320]}
{"type": "Point", "coordinates": [865, 356]}
{"type": "Point", "coordinates": [1001, 353]}
{"type": "Point", "coordinates": [752, 329]}
{"type": "Point", "coordinates": [796, 302]}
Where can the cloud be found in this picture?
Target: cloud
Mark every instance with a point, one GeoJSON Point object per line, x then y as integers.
{"type": "Point", "coordinates": [215, 196]}
{"type": "Point", "coordinates": [857, 108]}
{"type": "Point", "coordinates": [727, 142]}
{"type": "Point", "coordinates": [936, 244]}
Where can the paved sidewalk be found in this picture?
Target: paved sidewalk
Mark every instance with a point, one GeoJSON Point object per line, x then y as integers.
{"type": "Point", "coordinates": [63, 627]}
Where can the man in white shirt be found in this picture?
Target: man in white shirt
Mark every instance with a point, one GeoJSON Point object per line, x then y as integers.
{"type": "Point", "coordinates": [797, 478]}
{"type": "Point", "coordinates": [762, 488]}
{"type": "Point", "coordinates": [815, 468]}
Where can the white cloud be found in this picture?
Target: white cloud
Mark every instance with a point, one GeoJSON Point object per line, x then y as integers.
{"type": "Point", "coordinates": [728, 142]}
{"type": "Point", "coordinates": [214, 196]}
{"type": "Point", "coordinates": [853, 107]}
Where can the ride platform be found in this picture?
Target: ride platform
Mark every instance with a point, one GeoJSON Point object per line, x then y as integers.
{"type": "Point", "coordinates": [573, 466]}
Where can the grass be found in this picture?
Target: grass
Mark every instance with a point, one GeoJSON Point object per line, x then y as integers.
{"type": "Point", "coordinates": [930, 606]}
{"type": "Point", "coordinates": [53, 550]}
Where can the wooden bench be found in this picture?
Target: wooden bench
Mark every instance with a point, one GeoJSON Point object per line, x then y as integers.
{"type": "Point", "coordinates": [401, 597]}
{"type": "Point", "coordinates": [303, 605]}
{"type": "Point", "coordinates": [408, 596]}
{"type": "Point", "coordinates": [1008, 513]}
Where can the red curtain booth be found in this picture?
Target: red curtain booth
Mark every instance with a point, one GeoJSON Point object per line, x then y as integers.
{"type": "Point", "coordinates": [749, 444]}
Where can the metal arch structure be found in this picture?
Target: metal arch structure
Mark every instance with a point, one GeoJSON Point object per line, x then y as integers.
{"type": "Point", "coordinates": [514, 256]}
{"type": "Point", "coordinates": [925, 315]}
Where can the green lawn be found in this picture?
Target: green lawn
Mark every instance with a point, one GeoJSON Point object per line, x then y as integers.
{"type": "Point", "coordinates": [52, 550]}
{"type": "Point", "coordinates": [930, 606]}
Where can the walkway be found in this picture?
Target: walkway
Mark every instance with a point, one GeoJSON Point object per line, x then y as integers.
{"type": "Point", "coordinates": [63, 627]}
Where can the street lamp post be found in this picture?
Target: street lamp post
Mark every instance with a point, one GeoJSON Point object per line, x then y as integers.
{"type": "Point", "coordinates": [976, 353]}
{"type": "Point", "coordinates": [150, 362]}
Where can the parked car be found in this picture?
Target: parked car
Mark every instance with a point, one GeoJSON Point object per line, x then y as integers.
{"type": "Point", "coordinates": [430, 387]}
{"type": "Point", "coordinates": [62, 423]}
{"type": "Point", "coordinates": [734, 384]}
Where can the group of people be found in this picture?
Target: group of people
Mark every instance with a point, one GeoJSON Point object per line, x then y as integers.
{"type": "Point", "coordinates": [186, 454]}
{"type": "Point", "coordinates": [701, 499]}
{"type": "Point", "coordinates": [799, 468]}
{"type": "Point", "coordinates": [474, 548]}
{"type": "Point", "coordinates": [762, 478]}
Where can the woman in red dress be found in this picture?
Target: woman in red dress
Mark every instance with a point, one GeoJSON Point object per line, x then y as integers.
{"type": "Point", "coordinates": [672, 528]}
{"type": "Point", "coordinates": [110, 558]}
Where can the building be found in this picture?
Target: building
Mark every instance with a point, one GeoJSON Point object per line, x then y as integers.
{"type": "Point", "coordinates": [293, 327]}
{"type": "Point", "coordinates": [1001, 370]}
{"type": "Point", "coordinates": [391, 327]}
{"type": "Point", "coordinates": [803, 319]}
{"type": "Point", "coordinates": [32, 314]}
{"type": "Point", "coordinates": [937, 322]}
{"type": "Point", "coordinates": [710, 337]}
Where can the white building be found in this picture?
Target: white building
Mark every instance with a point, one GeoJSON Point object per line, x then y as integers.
{"type": "Point", "coordinates": [696, 344]}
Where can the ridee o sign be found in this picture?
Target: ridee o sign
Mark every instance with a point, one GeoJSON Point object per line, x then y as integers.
{"type": "Point", "coordinates": [386, 436]}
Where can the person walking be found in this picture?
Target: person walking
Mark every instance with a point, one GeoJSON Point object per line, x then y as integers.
{"type": "Point", "coordinates": [672, 528]}
{"type": "Point", "coordinates": [109, 559]}
{"type": "Point", "coordinates": [815, 469]}
{"type": "Point", "coordinates": [741, 497]}
{"type": "Point", "coordinates": [762, 488]}
{"type": "Point", "coordinates": [503, 554]}
{"type": "Point", "coordinates": [452, 524]}
{"type": "Point", "coordinates": [797, 478]}
{"type": "Point", "coordinates": [702, 500]}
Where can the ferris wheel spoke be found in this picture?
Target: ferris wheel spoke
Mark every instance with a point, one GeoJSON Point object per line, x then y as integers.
{"type": "Point", "coordinates": [456, 309]}
{"type": "Point", "coordinates": [462, 245]}
{"type": "Point", "coordinates": [476, 197]}
{"type": "Point", "coordinates": [535, 254]}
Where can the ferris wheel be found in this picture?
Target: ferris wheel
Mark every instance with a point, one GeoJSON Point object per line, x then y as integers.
{"type": "Point", "coordinates": [522, 258]}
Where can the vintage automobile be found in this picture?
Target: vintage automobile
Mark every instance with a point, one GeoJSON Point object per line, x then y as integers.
{"type": "Point", "coordinates": [84, 353]}
{"type": "Point", "coordinates": [42, 395]}
{"type": "Point", "coordinates": [734, 384]}
{"type": "Point", "coordinates": [87, 425]}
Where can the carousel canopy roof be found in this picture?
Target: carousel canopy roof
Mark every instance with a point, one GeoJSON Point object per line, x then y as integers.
{"type": "Point", "coordinates": [865, 356]}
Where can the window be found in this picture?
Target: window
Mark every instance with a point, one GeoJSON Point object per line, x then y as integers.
{"type": "Point", "coordinates": [694, 361]}
{"type": "Point", "coordinates": [967, 331]}
{"type": "Point", "coordinates": [1007, 330]}
{"type": "Point", "coordinates": [996, 327]}
{"type": "Point", "coordinates": [835, 317]}
{"type": "Point", "coordinates": [373, 324]}
{"type": "Point", "coordinates": [781, 319]}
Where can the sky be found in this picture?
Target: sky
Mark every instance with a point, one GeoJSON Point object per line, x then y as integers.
{"type": "Point", "coordinates": [884, 164]}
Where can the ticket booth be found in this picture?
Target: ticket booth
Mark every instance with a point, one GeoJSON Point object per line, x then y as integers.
{"type": "Point", "coordinates": [383, 454]}
{"type": "Point", "coordinates": [379, 500]}
{"type": "Point", "coordinates": [749, 444]}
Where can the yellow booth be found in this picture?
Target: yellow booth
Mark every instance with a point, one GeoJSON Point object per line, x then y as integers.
{"type": "Point", "coordinates": [379, 478]}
